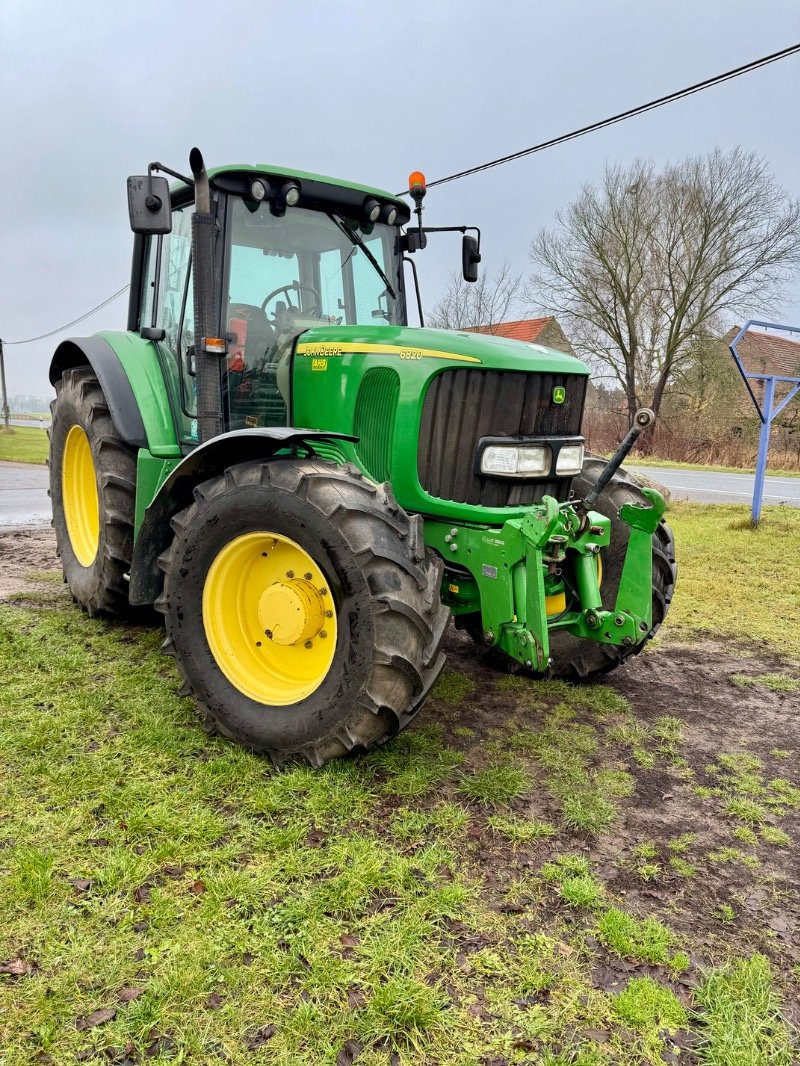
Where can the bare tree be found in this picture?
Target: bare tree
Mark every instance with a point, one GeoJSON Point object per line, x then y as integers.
{"type": "Point", "coordinates": [485, 302]}
{"type": "Point", "coordinates": [644, 266]}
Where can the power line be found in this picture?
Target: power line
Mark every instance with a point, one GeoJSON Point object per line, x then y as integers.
{"type": "Point", "coordinates": [74, 322]}
{"type": "Point", "coordinates": [630, 113]}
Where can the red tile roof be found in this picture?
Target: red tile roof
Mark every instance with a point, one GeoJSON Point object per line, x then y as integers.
{"type": "Point", "coordinates": [524, 329]}
{"type": "Point", "coordinates": [767, 353]}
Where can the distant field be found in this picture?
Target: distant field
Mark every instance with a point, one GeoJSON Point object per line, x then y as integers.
{"type": "Point", "coordinates": [23, 445]}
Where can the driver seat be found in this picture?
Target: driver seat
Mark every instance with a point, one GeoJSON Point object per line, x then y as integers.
{"type": "Point", "coordinates": [261, 337]}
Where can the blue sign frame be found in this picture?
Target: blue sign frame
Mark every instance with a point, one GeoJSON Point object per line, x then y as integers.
{"type": "Point", "coordinates": [770, 411]}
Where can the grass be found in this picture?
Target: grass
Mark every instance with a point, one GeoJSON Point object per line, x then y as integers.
{"type": "Point", "coordinates": [757, 590]}
{"type": "Point", "coordinates": [23, 444]}
{"type": "Point", "coordinates": [456, 896]}
{"type": "Point", "coordinates": [741, 1017]}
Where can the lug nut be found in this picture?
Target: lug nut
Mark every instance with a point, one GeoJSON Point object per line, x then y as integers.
{"type": "Point", "coordinates": [329, 614]}
{"type": "Point", "coordinates": [307, 576]}
{"type": "Point", "coordinates": [268, 634]}
{"type": "Point", "coordinates": [488, 636]}
{"type": "Point", "coordinates": [453, 547]}
{"type": "Point", "coordinates": [323, 634]}
{"type": "Point", "coordinates": [290, 573]}
{"type": "Point", "coordinates": [454, 532]}
{"type": "Point", "coordinates": [323, 592]}
{"type": "Point", "coordinates": [309, 644]}
{"type": "Point", "coordinates": [448, 537]}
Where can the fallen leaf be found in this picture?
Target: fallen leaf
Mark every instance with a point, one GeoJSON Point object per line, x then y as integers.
{"type": "Point", "coordinates": [197, 888]}
{"type": "Point", "coordinates": [80, 884]}
{"type": "Point", "coordinates": [17, 967]}
{"type": "Point", "coordinates": [142, 894]}
{"type": "Point", "coordinates": [261, 1036]}
{"type": "Point", "coordinates": [97, 1017]}
{"type": "Point", "coordinates": [214, 1001]}
{"type": "Point", "coordinates": [127, 995]}
{"type": "Point", "coordinates": [349, 1053]}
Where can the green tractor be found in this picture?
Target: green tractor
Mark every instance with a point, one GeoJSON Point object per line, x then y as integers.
{"type": "Point", "coordinates": [307, 489]}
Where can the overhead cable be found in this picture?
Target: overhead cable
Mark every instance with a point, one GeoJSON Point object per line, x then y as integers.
{"type": "Point", "coordinates": [631, 112]}
{"type": "Point", "coordinates": [74, 322]}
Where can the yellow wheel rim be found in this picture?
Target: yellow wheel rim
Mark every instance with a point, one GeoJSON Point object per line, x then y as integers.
{"type": "Point", "coordinates": [269, 618]}
{"type": "Point", "coordinates": [79, 493]}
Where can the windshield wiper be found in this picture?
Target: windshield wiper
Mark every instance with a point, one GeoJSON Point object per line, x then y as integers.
{"type": "Point", "coordinates": [356, 239]}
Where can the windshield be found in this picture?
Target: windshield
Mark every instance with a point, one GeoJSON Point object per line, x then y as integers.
{"type": "Point", "coordinates": [292, 273]}
{"type": "Point", "coordinates": [309, 267]}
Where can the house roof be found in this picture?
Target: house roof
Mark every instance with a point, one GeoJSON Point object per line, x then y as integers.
{"type": "Point", "coordinates": [523, 329]}
{"type": "Point", "coordinates": [766, 353]}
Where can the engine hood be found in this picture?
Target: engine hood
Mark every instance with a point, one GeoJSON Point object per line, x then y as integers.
{"type": "Point", "coordinates": [456, 347]}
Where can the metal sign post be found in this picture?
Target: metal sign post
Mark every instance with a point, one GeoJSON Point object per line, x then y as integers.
{"type": "Point", "coordinates": [770, 411]}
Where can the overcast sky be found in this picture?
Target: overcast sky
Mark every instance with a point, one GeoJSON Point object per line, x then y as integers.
{"type": "Point", "coordinates": [92, 90]}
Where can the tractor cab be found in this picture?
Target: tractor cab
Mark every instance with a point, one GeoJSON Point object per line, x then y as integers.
{"type": "Point", "coordinates": [292, 252]}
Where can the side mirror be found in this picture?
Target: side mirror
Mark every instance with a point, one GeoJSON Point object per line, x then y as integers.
{"type": "Point", "coordinates": [470, 257]}
{"type": "Point", "coordinates": [149, 206]}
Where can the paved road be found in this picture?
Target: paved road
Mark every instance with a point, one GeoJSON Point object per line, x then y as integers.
{"type": "Point", "coordinates": [23, 495]}
{"type": "Point", "coordinates": [705, 487]}
{"type": "Point", "coordinates": [24, 500]}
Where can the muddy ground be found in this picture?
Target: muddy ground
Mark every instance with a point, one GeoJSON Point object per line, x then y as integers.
{"type": "Point", "coordinates": [694, 680]}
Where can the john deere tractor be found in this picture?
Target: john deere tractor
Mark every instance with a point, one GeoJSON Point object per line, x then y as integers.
{"type": "Point", "coordinates": [307, 488]}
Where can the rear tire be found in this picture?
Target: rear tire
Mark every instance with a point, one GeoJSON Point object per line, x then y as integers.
{"type": "Point", "coordinates": [93, 490]}
{"type": "Point", "coordinates": [387, 624]}
{"type": "Point", "coordinates": [575, 658]}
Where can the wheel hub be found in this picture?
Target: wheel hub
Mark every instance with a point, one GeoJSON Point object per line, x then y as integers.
{"type": "Point", "coordinates": [269, 618]}
{"type": "Point", "coordinates": [291, 612]}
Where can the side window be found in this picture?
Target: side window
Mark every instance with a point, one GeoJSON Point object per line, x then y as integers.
{"type": "Point", "coordinates": [371, 294]}
{"type": "Point", "coordinates": [175, 255]}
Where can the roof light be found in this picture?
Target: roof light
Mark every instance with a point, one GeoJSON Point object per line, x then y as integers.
{"type": "Point", "coordinates": [389, 214]}
{"type": "Point", "coordinates": [290, 193]}
{"type": "Point", "coordinates": [370, 211]}
{"type": "Point", "coordinates": [258, 190]}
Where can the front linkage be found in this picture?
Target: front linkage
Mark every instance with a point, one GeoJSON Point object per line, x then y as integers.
{"type": "Point", "coordinates": [519, 576]}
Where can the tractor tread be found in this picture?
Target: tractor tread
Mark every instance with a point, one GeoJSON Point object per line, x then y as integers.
{"type": "Point", "coordinates": [100, 589]}
{"type": "Point", "coordinates": [401, 606]}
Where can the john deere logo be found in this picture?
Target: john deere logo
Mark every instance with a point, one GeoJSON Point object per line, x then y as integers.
{"type": "Point", "coordinates": [559, 394]}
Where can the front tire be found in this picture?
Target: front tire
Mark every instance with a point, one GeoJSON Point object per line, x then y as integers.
{"type": "Point", "coordinates": [302, 609]}
{"type": "Point", "coordinates": [93, 489]}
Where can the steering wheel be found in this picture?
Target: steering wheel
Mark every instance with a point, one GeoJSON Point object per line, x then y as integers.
{"type": "Point", "coordinates": [314, 312]}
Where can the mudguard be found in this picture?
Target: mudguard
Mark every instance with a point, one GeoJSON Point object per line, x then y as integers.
{"type": "Point", "coordinates": [104, 361]}
{"type": "Point", "coordinates": [206, 461]}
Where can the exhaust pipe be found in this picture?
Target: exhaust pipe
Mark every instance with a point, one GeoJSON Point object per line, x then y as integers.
{"type": "Point", "coordinates": [209, 395]}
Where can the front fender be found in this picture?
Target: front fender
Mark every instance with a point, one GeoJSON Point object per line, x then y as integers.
{"type": "Point", "coordinates": [206, 461]}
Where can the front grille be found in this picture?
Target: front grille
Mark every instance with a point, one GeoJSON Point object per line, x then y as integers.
{"type": "Point", "coordinates": [461, 406]}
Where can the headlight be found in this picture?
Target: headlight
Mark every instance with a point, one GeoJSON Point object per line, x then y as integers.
{"type": "Point", "coordinates": [515, 460]}
{"type": "Point", "coordinates": [570, 460]}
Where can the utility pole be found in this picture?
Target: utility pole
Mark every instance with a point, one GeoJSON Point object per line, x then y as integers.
{"type": "Point", "coordinates": [3, 393]}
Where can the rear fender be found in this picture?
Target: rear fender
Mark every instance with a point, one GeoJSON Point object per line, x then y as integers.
{"type": "Point", "coordinates": [104, 361]}
{"type": "Point", "coordinates": [206, 461]}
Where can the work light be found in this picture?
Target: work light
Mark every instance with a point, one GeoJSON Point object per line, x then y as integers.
{"type": "Point", "coordinates": [570, 460]}
{"type": "Point", "coordinates": [515, 460]}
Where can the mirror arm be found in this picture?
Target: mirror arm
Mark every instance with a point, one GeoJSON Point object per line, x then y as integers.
{"type": "Point", "coordinates": [168, 170]}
